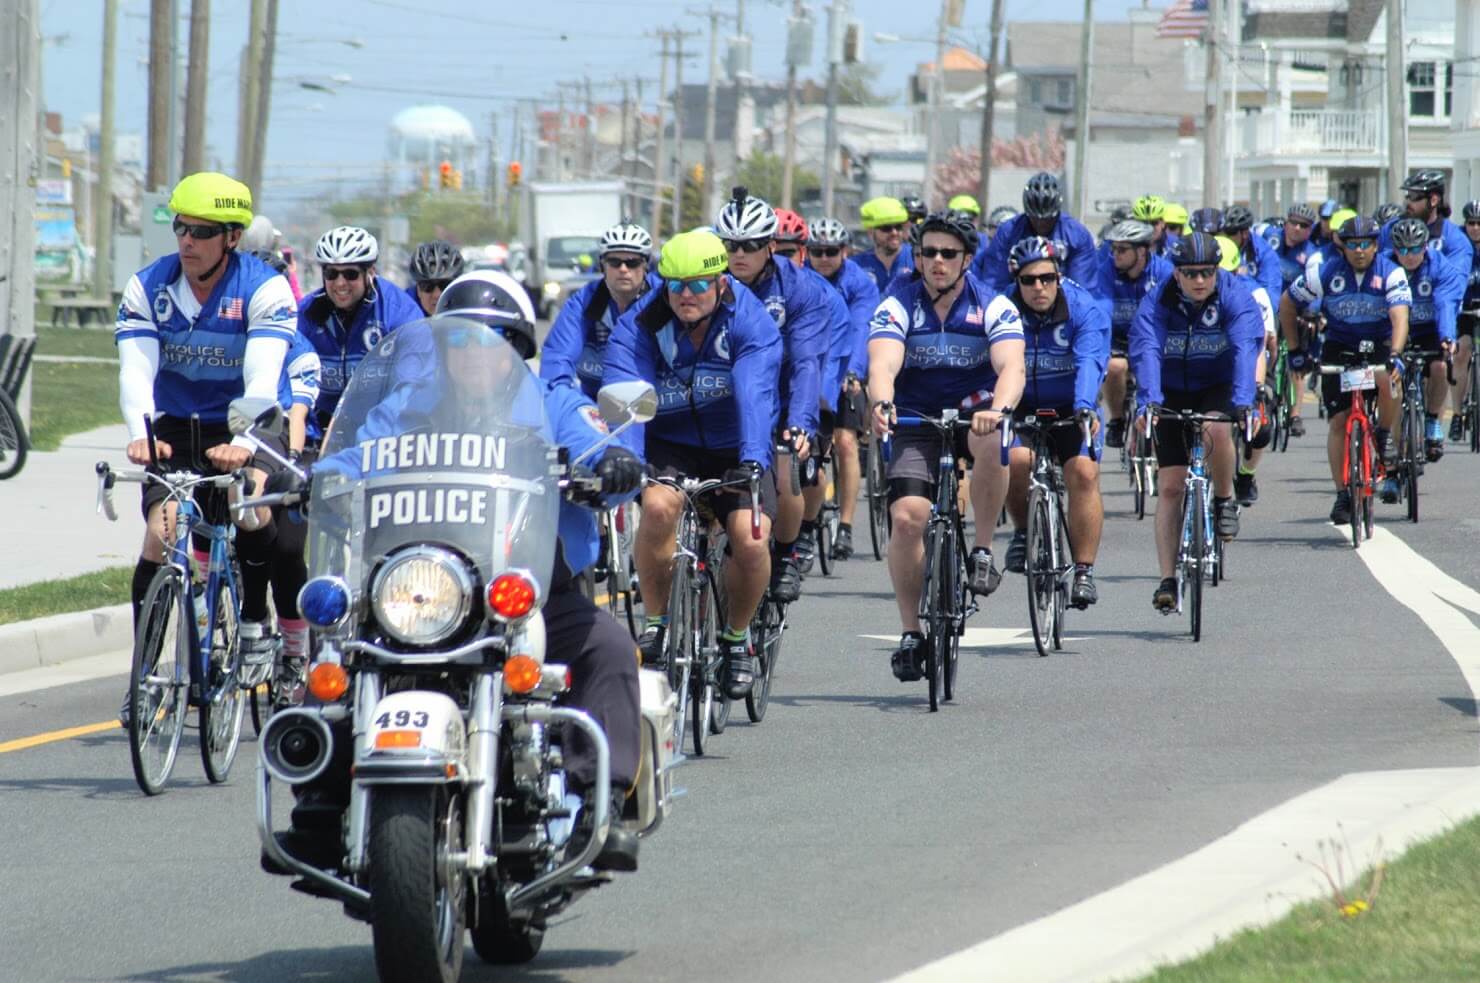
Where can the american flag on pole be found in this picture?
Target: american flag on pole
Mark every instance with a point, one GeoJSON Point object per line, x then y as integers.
{"type": "Point", "coordinates": [1184, 19]}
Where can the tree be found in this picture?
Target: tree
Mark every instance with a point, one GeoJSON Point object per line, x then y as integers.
{"type": "Point", "coordinates": [761, 175]}
{"type": "Point", "coordinates": [856, 85]}
{"type": "Point", "coordinates": [462, 218]}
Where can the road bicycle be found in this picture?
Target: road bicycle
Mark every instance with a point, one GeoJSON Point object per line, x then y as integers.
{"type": "Point", "coordinates": [1360, 462]}
{"type": "Point", "coordinates": [1286, 398]}
{"type": "Point", "coordinates": [186, 646]}
{"type": "Point", "coordinates": [874, 465]}
{"type": "Point", "coordinates": [13, 440]}
{"type": "Point", "coordinates": [1137, 453]}
{"type": "Point", "coordinates": [1199, 550]}
{"type": "Point", "coordinates": [691, 651]}
{"type": "Point", "coordinates": [1412, 453]}
{"type": "Point", "coordinates": [1469, 407]}
{"type": "Point", "coordinates": [1049, 565]}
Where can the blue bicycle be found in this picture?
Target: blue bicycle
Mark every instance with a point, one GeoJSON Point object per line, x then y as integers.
{"type": "Point", "coordinates": [186, 650]}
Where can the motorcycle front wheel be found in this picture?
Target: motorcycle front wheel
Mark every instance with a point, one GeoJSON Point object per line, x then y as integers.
{"type": "Point", "coordinates": [418, 908]}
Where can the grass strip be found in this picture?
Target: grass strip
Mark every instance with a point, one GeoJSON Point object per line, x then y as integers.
{"type": "Point", "coordinates": [1418, 924]}
{"type": "Point", "coordinates": [71, 397]}
{"type": "Point", "coordinates": [100, 589]}
{"type": "Point", "coordinates": [92, 342]}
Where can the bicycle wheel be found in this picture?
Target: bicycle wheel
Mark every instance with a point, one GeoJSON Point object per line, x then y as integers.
{"type": "Point", "coordinates": [932, 619]}
{"type": "Point", "coordinates": [824, 543]}
{"type": "Point", "coordinates": [952, 584]}
{"type": "Point", "coordinates": [679, 649]}
{"type": "Point", "coordinates": [1355, 477]}
{"type": "Point", "coordinates": [1472, 404]}
{"type": "Point", "coordinates": [878, 499]}
{"type": "Point", "coordinates": [1063, 574]}
{"type": "Point", "coordinates": [1196, 556]}
{"type": "Point", "coordinates": [765, 630]}
{"type": "Point", "coordinates": [221, 713]}
{"type": "Point", "coordinates": [1041, 604]}
{"type": "Point", "coordinates": [13, 442]}
{"type": "Point", "coordinates": [157, 682]}
{"type": "Point", "coordinates": [1414, 457]}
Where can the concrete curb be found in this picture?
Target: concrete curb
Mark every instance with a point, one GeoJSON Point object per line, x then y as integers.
{"type": "Point", "coordinates": [64, 637]}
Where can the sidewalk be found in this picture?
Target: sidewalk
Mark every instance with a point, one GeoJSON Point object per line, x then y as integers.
{"type": "Point", "coordinates": [49, 528]}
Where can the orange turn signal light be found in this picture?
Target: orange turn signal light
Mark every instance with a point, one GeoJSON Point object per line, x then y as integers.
{"type": "Point", "coordinates": [511, 596]}
{"type": "Point", "coordinates": [328, 681]}
{"type": "Point", "coordinates": [522, 674]}
{"type": "Point", "coordinates": [391, 740]}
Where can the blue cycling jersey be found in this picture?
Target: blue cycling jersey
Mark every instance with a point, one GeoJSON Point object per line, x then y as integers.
{"type": "Point", "coordinates": [1438, 288]}
{"type": "Point", "coordinates": [1075, 244]}
{"type": "Point", "coordinates": [1445, 238]}
{"type": "Point", "coordinates": [1065, 350]}
{"type": "Point", "coordinates": [1181, 346]}
{"type": "Point", "coordinates": [340, 346]}
{"type": "Point", "coordinates": [574, 352]}
{"type": "Point", "coordinates": [945, 362]}
{"type": "Point", "coordinates": [1356, 305]}
{"type": "Point", "coordinates": [1292, 259]}
{"type": "Point", "coordinates": [1124, 296]}
{"type": "Point", "coordinates": [202, 345]}
{"type": "Point", "coordinates": [1472, 288]}
{"type": "Point", "coordinates": [862, 297]}
{"type": "Point", "coordinates": [904, 262]}
{"type": "Point", "coordinates": [800, 302]}
{"type": "Point", "coordinates": [415, 298]}
{"type": "Point", "coordinates": [300, 381]}
{"type": "Point", "coordinates": [839, 353]}
{"type": "Point", "coordinates": [1262, 263]}
{"type": "Point", "coordinates": [700, 385]}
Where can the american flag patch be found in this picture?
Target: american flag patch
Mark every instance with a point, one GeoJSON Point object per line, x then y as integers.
{"type": "Point", "coordinates": [231, 310]}
{"type": "Point", "coordinates": [974, 315]}
{"type": "Point", "coordinates": [977, 400]}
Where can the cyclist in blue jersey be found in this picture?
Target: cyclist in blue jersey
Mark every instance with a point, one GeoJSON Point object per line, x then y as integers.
{"type": "Point", "coordinates": [1387, 212]}
{"type": "Point", "coordinates": [1469, 320]}
{"type": "Point", "coordinates": [888, 225]}
{"type": "Point", "coordinates": [1128, 273]}
{"type": "Point", "coordinates": [800, 301]}
{"type": "Point", "coordinates": [1195, 345]}
{"type": "Point", "coordinates": [1423, 197]}
{"type": "Point", "coordinates": [1438, 288]}
{"type": "Point", "coordinates": [941, 341]}
{"type": "Point", "coordinates": [434, 265]}
{"type": "Point", "coordinates": [995, 220]}
{"type": "Point", "coordinates": [1323, 234]}
{"type": "Point", "coordinates": [1152, 210]}
{"type": "Point", "coordinates": [1256, 258]}
{"type": "Point", "coordinates": [1043, 215]}
{"type": "Point", "coordinates": [1174, 219]}
{"type": "Point", "coordinates": [1245, 482]}
{"type": "Point", "coordinates": [827, 252]}
{"type": "Point", "coordinates": [575, 348]}
{"type": "Point", "coordinates": [349, 314]}
{"type": "Point", "coordinates": [1292, 244]}
{"type": "Point", "coordinates": [1066, 336]}
{"type": "Point", "coordinates": [714, 353]}
{"type": "Point", "coordinates": [1366, 301]}
{"type": "Point", "coordinates": [196, 329]}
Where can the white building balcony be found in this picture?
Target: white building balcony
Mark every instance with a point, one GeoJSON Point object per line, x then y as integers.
{"type": "Point", "coordinates": [1338, 134]}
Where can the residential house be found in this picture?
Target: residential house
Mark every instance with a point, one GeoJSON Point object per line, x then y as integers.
{"type": "Point", "coordinates": [1465, 102]}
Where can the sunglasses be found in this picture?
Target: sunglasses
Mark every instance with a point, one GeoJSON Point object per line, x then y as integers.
{"type": "Point", "coordinates": [425, 286]}
{"type": "Point", "coordinates": [827, 252]}
{"type": "Point", "coordinates": [1409, 250]}
{"type": "Point", "coordinates": [1297, 225]}
{"type": "Point", "coordinates": [786, 253]}
{"type": "Point", "coordinates": [746, 245]}
{"type": "Point", "coordinates": [696, 287]}
{"type": "Point", "coordinates": [197, 232]}
{"type": "Point", "coordinates": [930, 252]}
{"type": "Point", "coordinates": [1040, 280]}
{"type": "Point", "coordinates": [897, 227]}
{"type": "Point", "coordinates": [1198, 272]}
{"type": "Point", "coordinates": [1359, 244]}
{"type": "Point", "coordinates": [617, 262]}
{"type": "Point", "coordinates": [1417, 196]}
{"type": "Point", "coordinates": [349, 273]}
{"type": "Point", "coordinates": [1472, 221]}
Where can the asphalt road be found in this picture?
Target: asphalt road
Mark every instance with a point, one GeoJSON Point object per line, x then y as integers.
{"type": "Point", "coordinates": [853, 835]}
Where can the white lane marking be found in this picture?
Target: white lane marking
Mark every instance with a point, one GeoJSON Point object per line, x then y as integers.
{"type": "Point", "coordinates": [982, 638]}
{"type": "Point", "coordinates": [1252, 876]}
{"type": "Point", "coordinates": [67, 673]}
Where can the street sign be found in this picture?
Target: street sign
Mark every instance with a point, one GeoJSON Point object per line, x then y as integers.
{"type": "Point", "coordinates": [162, 214]}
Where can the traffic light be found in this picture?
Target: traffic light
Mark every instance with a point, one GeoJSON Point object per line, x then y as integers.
{"type": "Point", "coordinates": [516, 173]}
{"type": "Point", "coordinates": [444, 171]}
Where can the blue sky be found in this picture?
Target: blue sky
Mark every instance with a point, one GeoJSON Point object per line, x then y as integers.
{"type": "Point", "coordinates": [476, 58]}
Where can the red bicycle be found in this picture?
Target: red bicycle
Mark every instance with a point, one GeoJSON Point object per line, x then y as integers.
{"type": "Point", "coordinates": [1359, 459]}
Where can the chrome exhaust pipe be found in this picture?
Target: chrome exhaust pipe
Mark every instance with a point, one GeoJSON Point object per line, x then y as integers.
{"type": "Point", "coordinates": [295, 746]}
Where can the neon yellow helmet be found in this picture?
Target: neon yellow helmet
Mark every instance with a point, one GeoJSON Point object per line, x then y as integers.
{"type": "Point", "coordinates": [965, 203]}
{"type": "Point", "coordinates": [693, 254]}
{"type": "Point", "coordinates": [1228, 256]}
{"type": "Point", "coordinates": [1339, 217]}
{"type": "Point", "coordinates": [882, 211]}
{"type": "Point", "coordinates": [214, 197]}
{"type": "Point", "coordinates": [1174, 214]}
{"type": "Point", "coordinates": [1149, 208]}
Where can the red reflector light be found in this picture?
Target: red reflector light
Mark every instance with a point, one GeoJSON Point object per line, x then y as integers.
{"type": "Point", "coordinates": [511, 596]}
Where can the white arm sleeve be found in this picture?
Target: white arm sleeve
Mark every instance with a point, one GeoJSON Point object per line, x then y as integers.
{"type": "Point", "coordinates": [138, 363]}
{"type": "Point", "coordinates": [262, 371]}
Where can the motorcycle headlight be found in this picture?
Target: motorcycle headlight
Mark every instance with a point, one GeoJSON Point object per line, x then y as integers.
{"type": "Point", "coordinates": [422, 596]}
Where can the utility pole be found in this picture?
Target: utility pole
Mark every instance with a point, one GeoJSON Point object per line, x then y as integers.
{"type": "Point", "coordinates": [20, 154]}
{"type": "Point", "coordinates": [1232, 18]}
{"type": "Point", "coordinates": [103, 208]}
{"type": "Point", "coordinates": [251, 89]}
{"type": "Point", "coordinates": [1397, 100]}
{"type": "Point", "coordinates": [161, 55]}
{"type": "Point", "coordinates": [262, 108]}
{"type": "Point", "coordinates": [744, 104]}
{"type": "Point", "coordinates": [989, 110]}
{"type": "Point", "coordinates": [1081, 115]}
{"type": "Point", "coordinates": [937, 83]}
{"type": "Point", "coordinates": [1212, 102]}
{"type": "Point", "coordinates": [560, 134]}
{"type": "Point", "coordinates": [590, 132]}
{"type": "Point", "coordinates": [837, 20]}
{"type": "Point", "coordinates": [622, 165]}
{"type": "Point", "coordinates": [788, 167]}
{"type": "Point", "coordinates": [678, 108]}
{"type": "Point", "coordinates": [706, 205]}
{"type": "Point", "coordinates": [194, 156]}
{"type": "Point", "coordinates": [658, 161]}
{"type": "Point", "coordinates": [492, 179]}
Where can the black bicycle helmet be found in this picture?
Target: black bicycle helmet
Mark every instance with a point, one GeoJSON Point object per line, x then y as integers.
{"type": "Point", "coordinates": [1410, 232]}
{"type": "Point", "coordinates": [914, 207]}
{"type": "Point", "coordinates": [1302, 212]}
{"type": "Point", "coordinates": [962, 225]}
{"type": "Point", "coordinates": [436, 260]}
{"type": "Point", "coordinates": [495, 299]}
{"type": "Point", "coordinates": [1237, 219]}
{"type": "Point", "coordinates": [1472, 211]}
{"type": "Point", "coordinates": [1358, 227]}
{"type": "Point", "coordinates": [1209, 220]}
{"type": "Point", "coordinates": [1042, 198]}
{"type": "Point", "coordinates": [1196, 249]}
{"type": "Point", "coordinates": [1385, 213]}
{"type": "Point", "coordinates": [272, 259]}
{"type": "Point", "coordinates": [1428, 180]}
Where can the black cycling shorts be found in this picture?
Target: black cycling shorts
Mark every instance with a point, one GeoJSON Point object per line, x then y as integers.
{"type": "Point", "coordinates": [852, 412]}
{"type": "Point", "coordinates": [1344, 353]}
{"type": "Point", "coordinates": [176, 432]}
{"type": "Point", "coordinates": [670, 460]}
{"type": "Point", "coordinates": [1171, 435]}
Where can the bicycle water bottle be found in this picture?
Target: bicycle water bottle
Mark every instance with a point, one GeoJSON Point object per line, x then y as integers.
{"type": "Point", "coordinates": [202, 616]}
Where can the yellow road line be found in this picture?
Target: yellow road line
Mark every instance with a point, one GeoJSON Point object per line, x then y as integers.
{"type": "Point", "coordinates": [52, 736]}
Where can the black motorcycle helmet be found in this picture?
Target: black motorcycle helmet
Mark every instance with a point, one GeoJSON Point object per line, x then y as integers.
{"type": "Point", "coordinates": [436, 260]}
{"type": "Point", "coordinates": [914, 207]}
{"type": "Point", "coordinates": [272, 259]}
{"type": "Point", "coordinates": [493, 298]}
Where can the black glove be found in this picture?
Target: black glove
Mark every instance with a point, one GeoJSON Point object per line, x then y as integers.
{"type": "Point", "coordinates": [620, 471]}
{"type": "Point", "coordinates": [282, 482]}
{"type": "Point", "coordinates": [1298, 360]}
{"type": "Point", "coordinates": [744, 471]}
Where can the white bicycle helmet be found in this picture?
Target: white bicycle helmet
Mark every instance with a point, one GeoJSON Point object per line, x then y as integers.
{"type": "Point", "coordinates": [744, 217]}
{"type": "Point", "coordinates": [827, 232]}
{"type": "Point", "coordinates": [626, 238]}
{"type": "Point", "coordinates": [346, 244]}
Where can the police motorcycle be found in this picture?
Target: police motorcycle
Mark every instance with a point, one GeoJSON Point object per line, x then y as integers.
{"type": "Point", "coordinates": [432, 521]}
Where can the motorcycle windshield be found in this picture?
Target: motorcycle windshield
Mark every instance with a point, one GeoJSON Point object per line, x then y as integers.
{"type": "Point", "coordinates": [439, 439]}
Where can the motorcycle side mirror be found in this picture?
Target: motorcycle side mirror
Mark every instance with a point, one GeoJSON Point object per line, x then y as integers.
{"type": "Point", "coordinates": [627, 402]}
{"type": "Point", "coordinates": [264, 416]}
